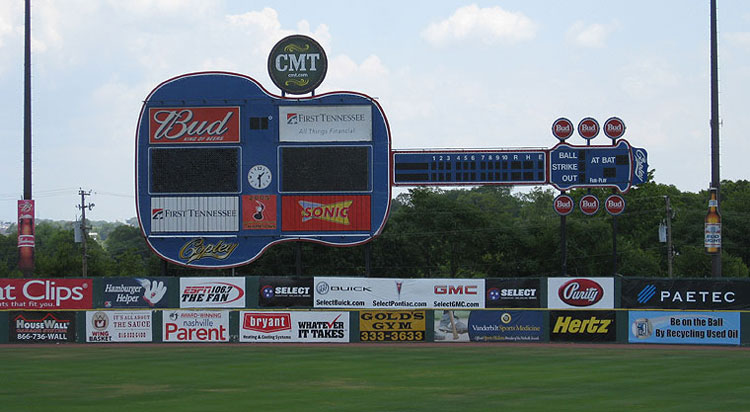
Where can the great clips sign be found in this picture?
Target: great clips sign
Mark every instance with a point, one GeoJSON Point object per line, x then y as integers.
{"type": "Point", "coordinates": [580, 293]}
{"type": "Point", "coordinates": [45, 294]}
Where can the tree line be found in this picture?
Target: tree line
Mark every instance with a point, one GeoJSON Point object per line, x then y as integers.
{"type": "Point", "coordinates": [486, 231]}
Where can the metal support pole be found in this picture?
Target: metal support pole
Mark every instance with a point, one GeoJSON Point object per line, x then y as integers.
{"type": "Point", "coordinates": [563, 246]}
{"type": "Point", "coordinates": [670, 255]}
{"type": "Point", "coordinates": [614, 245]}
{"type": "Point", "coordinates": [715, 177]}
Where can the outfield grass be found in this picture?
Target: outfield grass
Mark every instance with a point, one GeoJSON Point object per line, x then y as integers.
{"type": "Point", "coordinates": [360, 377]}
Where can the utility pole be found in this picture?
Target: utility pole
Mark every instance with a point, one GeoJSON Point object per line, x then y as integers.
{"type": "Point", "coordinates": [715, 178]}
{"type": "Point", "coordinates": [670, 255]}
{"type": "Point", "coordinates": [83, 206]}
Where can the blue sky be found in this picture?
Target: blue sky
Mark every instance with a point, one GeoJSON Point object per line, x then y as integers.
{"type": "Point", "coordinates": [449, 74]}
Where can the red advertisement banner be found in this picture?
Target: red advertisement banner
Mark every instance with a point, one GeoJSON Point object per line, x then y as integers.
{"type": "Point", "coordinates": [46, 294]}
{"type": "Point", "coordinates": [194, 125]}
{"type": "Point", "coordinates": [259, 212]}
{"type": "Point", "coordinates": [339, 213]}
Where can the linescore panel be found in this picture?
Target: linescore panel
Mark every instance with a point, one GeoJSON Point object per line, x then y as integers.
{"type": "Point", "coordinates": [225, 169]}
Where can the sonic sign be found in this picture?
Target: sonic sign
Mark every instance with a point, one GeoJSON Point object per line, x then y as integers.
{"type": "Point", "coordinates": [225, 169]}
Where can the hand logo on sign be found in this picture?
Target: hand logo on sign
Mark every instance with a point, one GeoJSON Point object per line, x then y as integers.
{"type": "Point", "coordinates": [154, 291]}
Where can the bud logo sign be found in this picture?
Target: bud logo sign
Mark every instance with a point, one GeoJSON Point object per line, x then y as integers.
{"type": "Point", "coordinates": [194, 125]}
{"type": "Point", "coordinates": [325, 213]}
{"type": "Point", "coordinates": [45, 294]}
{"type": "Point", "coordinates": [294, 327]}
{"type": "Point", "coordinates": [196, 326]}
{"type": "Point", "coordinates": [594, 293]}
{"type": "Point", "coordinates": [212, 292]}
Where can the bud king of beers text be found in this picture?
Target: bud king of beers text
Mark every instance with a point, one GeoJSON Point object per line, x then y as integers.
{"type": "Point", "coordinates": [194, 125]}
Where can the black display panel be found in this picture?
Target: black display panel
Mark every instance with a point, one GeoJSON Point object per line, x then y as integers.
{"type": "Point", "coordinates": [325, 168]}
{"type": "Point", "coordinates": [194, 170]}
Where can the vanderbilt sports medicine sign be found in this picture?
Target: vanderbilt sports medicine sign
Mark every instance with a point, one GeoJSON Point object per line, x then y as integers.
{"type": "Point", "coordinates": [297, 64]}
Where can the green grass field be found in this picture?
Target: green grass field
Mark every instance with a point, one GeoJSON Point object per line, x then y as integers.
{"type": "Point", "coordinates": [383, 377]}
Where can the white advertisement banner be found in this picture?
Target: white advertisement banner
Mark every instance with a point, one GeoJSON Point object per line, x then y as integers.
{"type": "Point", "coordinates": [374, 293]}
{"type": "Point", "coordinates": [119, 326]}
{"type": "Point", "coordinates": [195, 214]}
{"type": "Point", "coordinates": [325, 123]}
{"type": "Point", "coordinates": [267, 326]}
{"type": "Point", "coordinates": [581, 293]}
{"type": "Point", "coordinates": [195, 326]}
{"type": "Point", "coordinates": [212, 292]}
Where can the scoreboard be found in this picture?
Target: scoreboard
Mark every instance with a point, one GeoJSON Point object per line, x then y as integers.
{"type": "Point", "coordinates": [224, 169]}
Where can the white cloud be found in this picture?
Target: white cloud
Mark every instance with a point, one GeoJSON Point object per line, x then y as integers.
{"type": "Point", "coordinates": [490, 25]}
{"type": "Point", "coordinates": [592, 35]}
{"type": "Point", "coordinates": [739, 39]}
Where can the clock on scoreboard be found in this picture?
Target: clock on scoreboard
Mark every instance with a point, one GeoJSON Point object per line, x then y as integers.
{"type": "Point", "coordinates": [224, 169]}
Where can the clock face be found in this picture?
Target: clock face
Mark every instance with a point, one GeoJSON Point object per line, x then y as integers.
{"type": "Point", "coordinates": [259, 177]}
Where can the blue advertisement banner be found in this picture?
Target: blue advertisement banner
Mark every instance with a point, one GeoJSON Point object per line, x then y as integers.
{"type": "Point", "coordinates": [134, 293]}
{"type": "Point", "coordinates": [701, 328]}
{"type": "Point", "coordinates": [505, 326]}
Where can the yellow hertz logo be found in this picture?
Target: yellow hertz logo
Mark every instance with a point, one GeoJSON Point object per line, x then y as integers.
{"type": "Point", "coordinates": [333, 212]}
{"type": "Point", "coordinates": [566, 324]}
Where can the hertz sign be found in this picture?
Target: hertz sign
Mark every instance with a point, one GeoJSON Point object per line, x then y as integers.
{"type": "Point", "coordinates": [226, 169]}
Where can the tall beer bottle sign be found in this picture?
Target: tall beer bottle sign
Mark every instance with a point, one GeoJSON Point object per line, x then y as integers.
{"type": "Point", "coordinates": [712, 240]}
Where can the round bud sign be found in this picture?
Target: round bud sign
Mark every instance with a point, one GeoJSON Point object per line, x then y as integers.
{"type": "Point", "coordinates": [563, 205]}
{"type": "Point", "coordinates": [562, 128]}
{"type": "Point", "coordinates": [588, 128]}
{"type": "Point", "coordinates": [589, 205]}
{"type": "Point", "coordinates": [297, 64]}
{"type": "Point", "coordinates": [614, 128]}
{"type": "Point", "coordinates": [614, 205]}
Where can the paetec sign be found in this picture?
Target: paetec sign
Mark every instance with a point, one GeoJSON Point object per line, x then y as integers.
{"type": "Point", "coordinates": [212, 292]}
{"type": "Point", "coordinates": [196, 326]}
{"type": "Point", "coordinates": [506, 326]}
{"type": "Point", "coordinates": [685, 294]}
{"type": "Point", "coordinates": [46, 294]}
{"type": "Point", "coordinates": [580, 293]}
{"type": "Point", "coordinates": [513, 293]}
{"type": "Point", "coordinates": [702, 328]}
{"type": "Point", "coordinates": [260, 326]}
{"type": "Point", "coordinates": [392, 325]}
{"type": "Point", "coordinates": [41, 327]}
{"type": "Point", "coordinates": [119, 326]}
{"type": "Point", "coordinates": [285, 291]}
{"type": "Point", "coordinates": [134, 292]}
{"type": "Point", "coordinates": [380, 293]}
{"type": "Point", "coordinates": [582, 326]}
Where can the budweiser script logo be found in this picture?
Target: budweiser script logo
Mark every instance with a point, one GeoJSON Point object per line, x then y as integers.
{"type": "Point", "coordinates": [334, 212]}
{"type": "Point", "coordinates": [197, 249]}
{"type": "Point", "coordinates": [200, 124]}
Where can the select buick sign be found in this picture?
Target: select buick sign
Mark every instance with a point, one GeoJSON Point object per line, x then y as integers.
{"type": "Point", "coordinates": [580, 293]}
{"type": "Point", "coordinates": [285, 291]}
{"type": "Point", "coordinates": [513, 293]}
{"type": "Point", "coordinates": [685, 294]}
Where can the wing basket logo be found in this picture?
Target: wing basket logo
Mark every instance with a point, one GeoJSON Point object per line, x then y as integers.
{"type": "Point", "coordinates": [333, 212]}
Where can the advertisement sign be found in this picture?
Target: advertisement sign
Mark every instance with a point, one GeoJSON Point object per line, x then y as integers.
{"type": "Point", "coordinates": [194, 125]}
{"type": "Point", "coordinates": [25, 239]}
{"type": "Point", "coordinates": [701, 328]}
{"type": "Point", "coordinates": [386, 293]}
{"type": "Point", "coordinates": [392, 325]}
{"type": "Point", "coordinates": [513, 293]}
{"type": "Point", "coordinates": [212, 292]}
{"type": "Point", "coordinates": [285, 291]}
{"type": "Point", "coordinates": [191, 214]}
{"type": "Point", "coordinates": [325, 123]}
{"type": "Point", "coordinates": [259, 212]}
{"type": "Point", "coordinates": [582, 326]}
{"type": "Point", "coordinates": [704, 294]}
{"type": "Point", "coordinates": [46, 294]}
{"type": "Point", "coordinates": [505, 326]}
{"type": "Point", "coordinates": [195, 326]}
{"type": "Point", "coordinates": [297, 64]}
{"type": "Point", "coordinates": [259, 326]}
{"type": "Point", "coordinates": [325, 213]}
{"type": "Point", "coordinates": [41, 327]}
{"type": "Point", "coordinates": [580, 293]}
{"type": "Point", "coordinates": [118, 326]}
{"type": "Point", "coordinates": [134, 292]}
{"type": "Point", "coordinates": [451, 325]}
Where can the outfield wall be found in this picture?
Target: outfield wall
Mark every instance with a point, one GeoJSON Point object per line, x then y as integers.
{"type": "Point", "coordinates": [348, 309]}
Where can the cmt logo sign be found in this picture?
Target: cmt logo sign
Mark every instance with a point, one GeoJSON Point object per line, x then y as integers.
{"type": "Point", "coordinates": [325, 213]}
